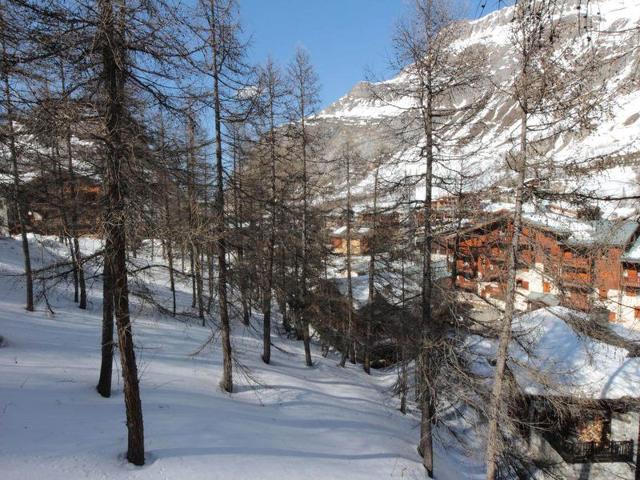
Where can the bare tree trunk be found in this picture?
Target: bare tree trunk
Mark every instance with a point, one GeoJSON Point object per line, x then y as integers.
{"type": "Point", "coordinates": [199, 283]}
{"type": "Point", "coordinates": [427, 392]}
{"type": "Point", "coordinates": [17, 194]}
{"type": "Point", "coordinates": [305, 90]}
{"type": "Point", "coordinates": [372, 273]}
{"type": "Point", "coordinates": [81, 279]}
{"type": "Point", "coordinates": [78, 267]}
{"type": "Point", "coordinates": [268, 281]}
{"type": "Point", "coordinates": [169, 251]}
{"type": "Point", "coordinates": [76, 285]}
{"type": "Point", "coordinates": [348, 345]}
{"type": "Point", "coordinates": [113, 58]}
{"type": "Point", "coordinates": [210, 273]}
{"type": "Point", "coordinates": [404, 380]}
{"type": "Point", "coordinates": [226, 383]}
{"type": "Point", "coordinates": [172, 279]}
{"type": "Point", "coordinates": [106, 364]}
{"type": "Point", "coordinates": [493, 446]}
{"type": "Point", "coordinates": [192, 267]}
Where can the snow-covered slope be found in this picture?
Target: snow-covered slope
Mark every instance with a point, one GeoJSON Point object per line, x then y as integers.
{"type": "Point", "coordinates": [369, 115]}
{"type": "Point", "coordinates": [285, 421]}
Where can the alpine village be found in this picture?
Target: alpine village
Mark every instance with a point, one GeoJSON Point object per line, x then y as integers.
{"type": "Point", "coordinates": [208, 271]}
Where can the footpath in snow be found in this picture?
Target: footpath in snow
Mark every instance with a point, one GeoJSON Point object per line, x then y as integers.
{"type": "Point", "coordinates": [284, 421]}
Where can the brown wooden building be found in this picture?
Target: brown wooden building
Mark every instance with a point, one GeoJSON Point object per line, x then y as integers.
{"type": "Point", "coordinates": [577, 262]}
{"type": "Point", "coordinates": [48, 203]}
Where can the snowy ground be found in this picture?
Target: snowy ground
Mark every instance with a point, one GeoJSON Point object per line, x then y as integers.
{"type": "Point", "coordinates": [285, 421]}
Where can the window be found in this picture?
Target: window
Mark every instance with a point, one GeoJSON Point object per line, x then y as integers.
{"type": "Point", "coordinates": [522, 284]}
{"type": "Point", "coordinates": [602, 292]}
{"type": "Point", "coordinates": [636, 312]}
{"type": "Point", "coordinates": [630, 292]}
{"type": "Point", "coordinates": [612, 316]}
{"type": "Point", "coordinates": [546, 287]}
{"type": "Point", "coordinates": [596, 430]}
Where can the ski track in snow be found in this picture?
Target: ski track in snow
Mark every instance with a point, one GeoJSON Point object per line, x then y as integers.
{"type": "Point", "coordinates": [289, 422]}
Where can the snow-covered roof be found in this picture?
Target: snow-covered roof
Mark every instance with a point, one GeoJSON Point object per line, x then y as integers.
{"type": "Point", "coordinates": [551, 358]}
{"type": "Point", "coordinates": [548, 299]}
{"type": "Point", "coordinates": [633, 254]}
{"type": "Point", "coordinates": [356, 231]}
{"type": "Point", "coordinates": [575, 230]}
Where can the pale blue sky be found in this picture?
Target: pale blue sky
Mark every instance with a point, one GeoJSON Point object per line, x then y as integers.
{"type": "Point", "coordinates": [346, 38]}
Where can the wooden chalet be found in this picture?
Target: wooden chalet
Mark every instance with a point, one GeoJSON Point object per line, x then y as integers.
{"type": "Point", "coordinates": [362, 233]}
{"type": "Point", "coordinates": [580, 396]}
{"type": "Point", "coordinates": [358, 238]}
{"type": "Point", "coordinates": [47, 202]}
{"type": "Point", "coordinates": [573, 262]}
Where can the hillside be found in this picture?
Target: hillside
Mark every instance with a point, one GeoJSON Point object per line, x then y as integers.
{"type": "Point", "coordinates": [284, 421]}
{"type": "Point", "coordinates": [370, 115]}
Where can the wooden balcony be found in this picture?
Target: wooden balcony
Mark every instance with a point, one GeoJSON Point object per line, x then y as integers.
{"type": "Point", "coordinates": [631, 281]}
{"type": "Point", "coordinates": [576, 279]}
{"type": "Point", "coordinates": [592, 452]}
{"type": "Point", "coordinates": [577, 263]}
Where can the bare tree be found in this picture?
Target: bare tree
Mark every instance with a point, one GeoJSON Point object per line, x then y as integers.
{"type": "Point", "coordinates": [304, 89]}
{"type": "Point", "coordinates": [12, 32]}
{"type": "Point", "coordinates": [436, 73]}
{"type": "Point", "coordinates": [348, 349]}
{"type": "Point", "coordinates": [552, 96]}
{"type": "Point", "coordinates": [111, 40]}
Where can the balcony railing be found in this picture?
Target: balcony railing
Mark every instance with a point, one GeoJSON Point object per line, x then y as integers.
{"type": "Point", "coordinates": [592, 452]}
{"type": "Point", "coordinates": [577, 262]}
{"type": "Point", "coordinates": [576, 279]}
{"type": "Point", "coordinates": [631, 281]}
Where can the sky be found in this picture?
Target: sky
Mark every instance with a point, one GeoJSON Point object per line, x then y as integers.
{"type": "Point", "coordinates": [348, 40]}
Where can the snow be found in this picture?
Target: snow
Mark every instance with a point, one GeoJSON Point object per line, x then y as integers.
{"type": "Point", "coordinates": [567, 363]}
{"type": "Point", "coordinates": [606, 153]}
{"type": "Point", "coordinates": [577, 231]}
{"type": "Point", "coordinates": [285, 421]}
{"type": "Point", "coordinates": [547, 357]}
{"type": "Point", "coordinates": [633, 254]}
{"type": "Point", "coordinates": [373, 109]}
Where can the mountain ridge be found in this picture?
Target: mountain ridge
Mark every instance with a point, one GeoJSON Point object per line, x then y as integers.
{"type": "Point", "coordinates": [369, 113]}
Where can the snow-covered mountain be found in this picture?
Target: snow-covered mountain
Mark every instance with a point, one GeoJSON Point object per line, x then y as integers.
{"type": "Point", "coordinates": [370, 115]}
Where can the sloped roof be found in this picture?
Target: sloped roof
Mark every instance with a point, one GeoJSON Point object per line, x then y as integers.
{"type": "Point", "coordinates": [551, 358]}
{"type": "Point", "coordinates": [573, 230]}
{"type": "Point", "coordinates": [633, 254]}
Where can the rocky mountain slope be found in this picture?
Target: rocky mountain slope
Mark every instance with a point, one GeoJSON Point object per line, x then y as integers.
{"type": "Point", "coordinates": [371, 114]}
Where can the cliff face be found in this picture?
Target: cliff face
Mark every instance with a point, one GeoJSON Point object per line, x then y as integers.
{"type": "Point", "coordinates": [370, 115]}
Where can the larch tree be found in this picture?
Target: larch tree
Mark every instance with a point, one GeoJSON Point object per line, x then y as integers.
{"type": "Point", "coordinates": [436, 72]}
{"type": "Point", "coordinates": [272, 95]}
{"type": "Point", "coordinates": [14, 69]}
{"type": "Point", "coordinates": [555, 90]}
{"type": "Point", "coordinates": [111, 40]}
{"type": "Point", "coordinates": [348, 349]}
{"type": "Point", "coordinates": [223, 65]}
{"type": "Point", "coordinates": [304, 90]}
